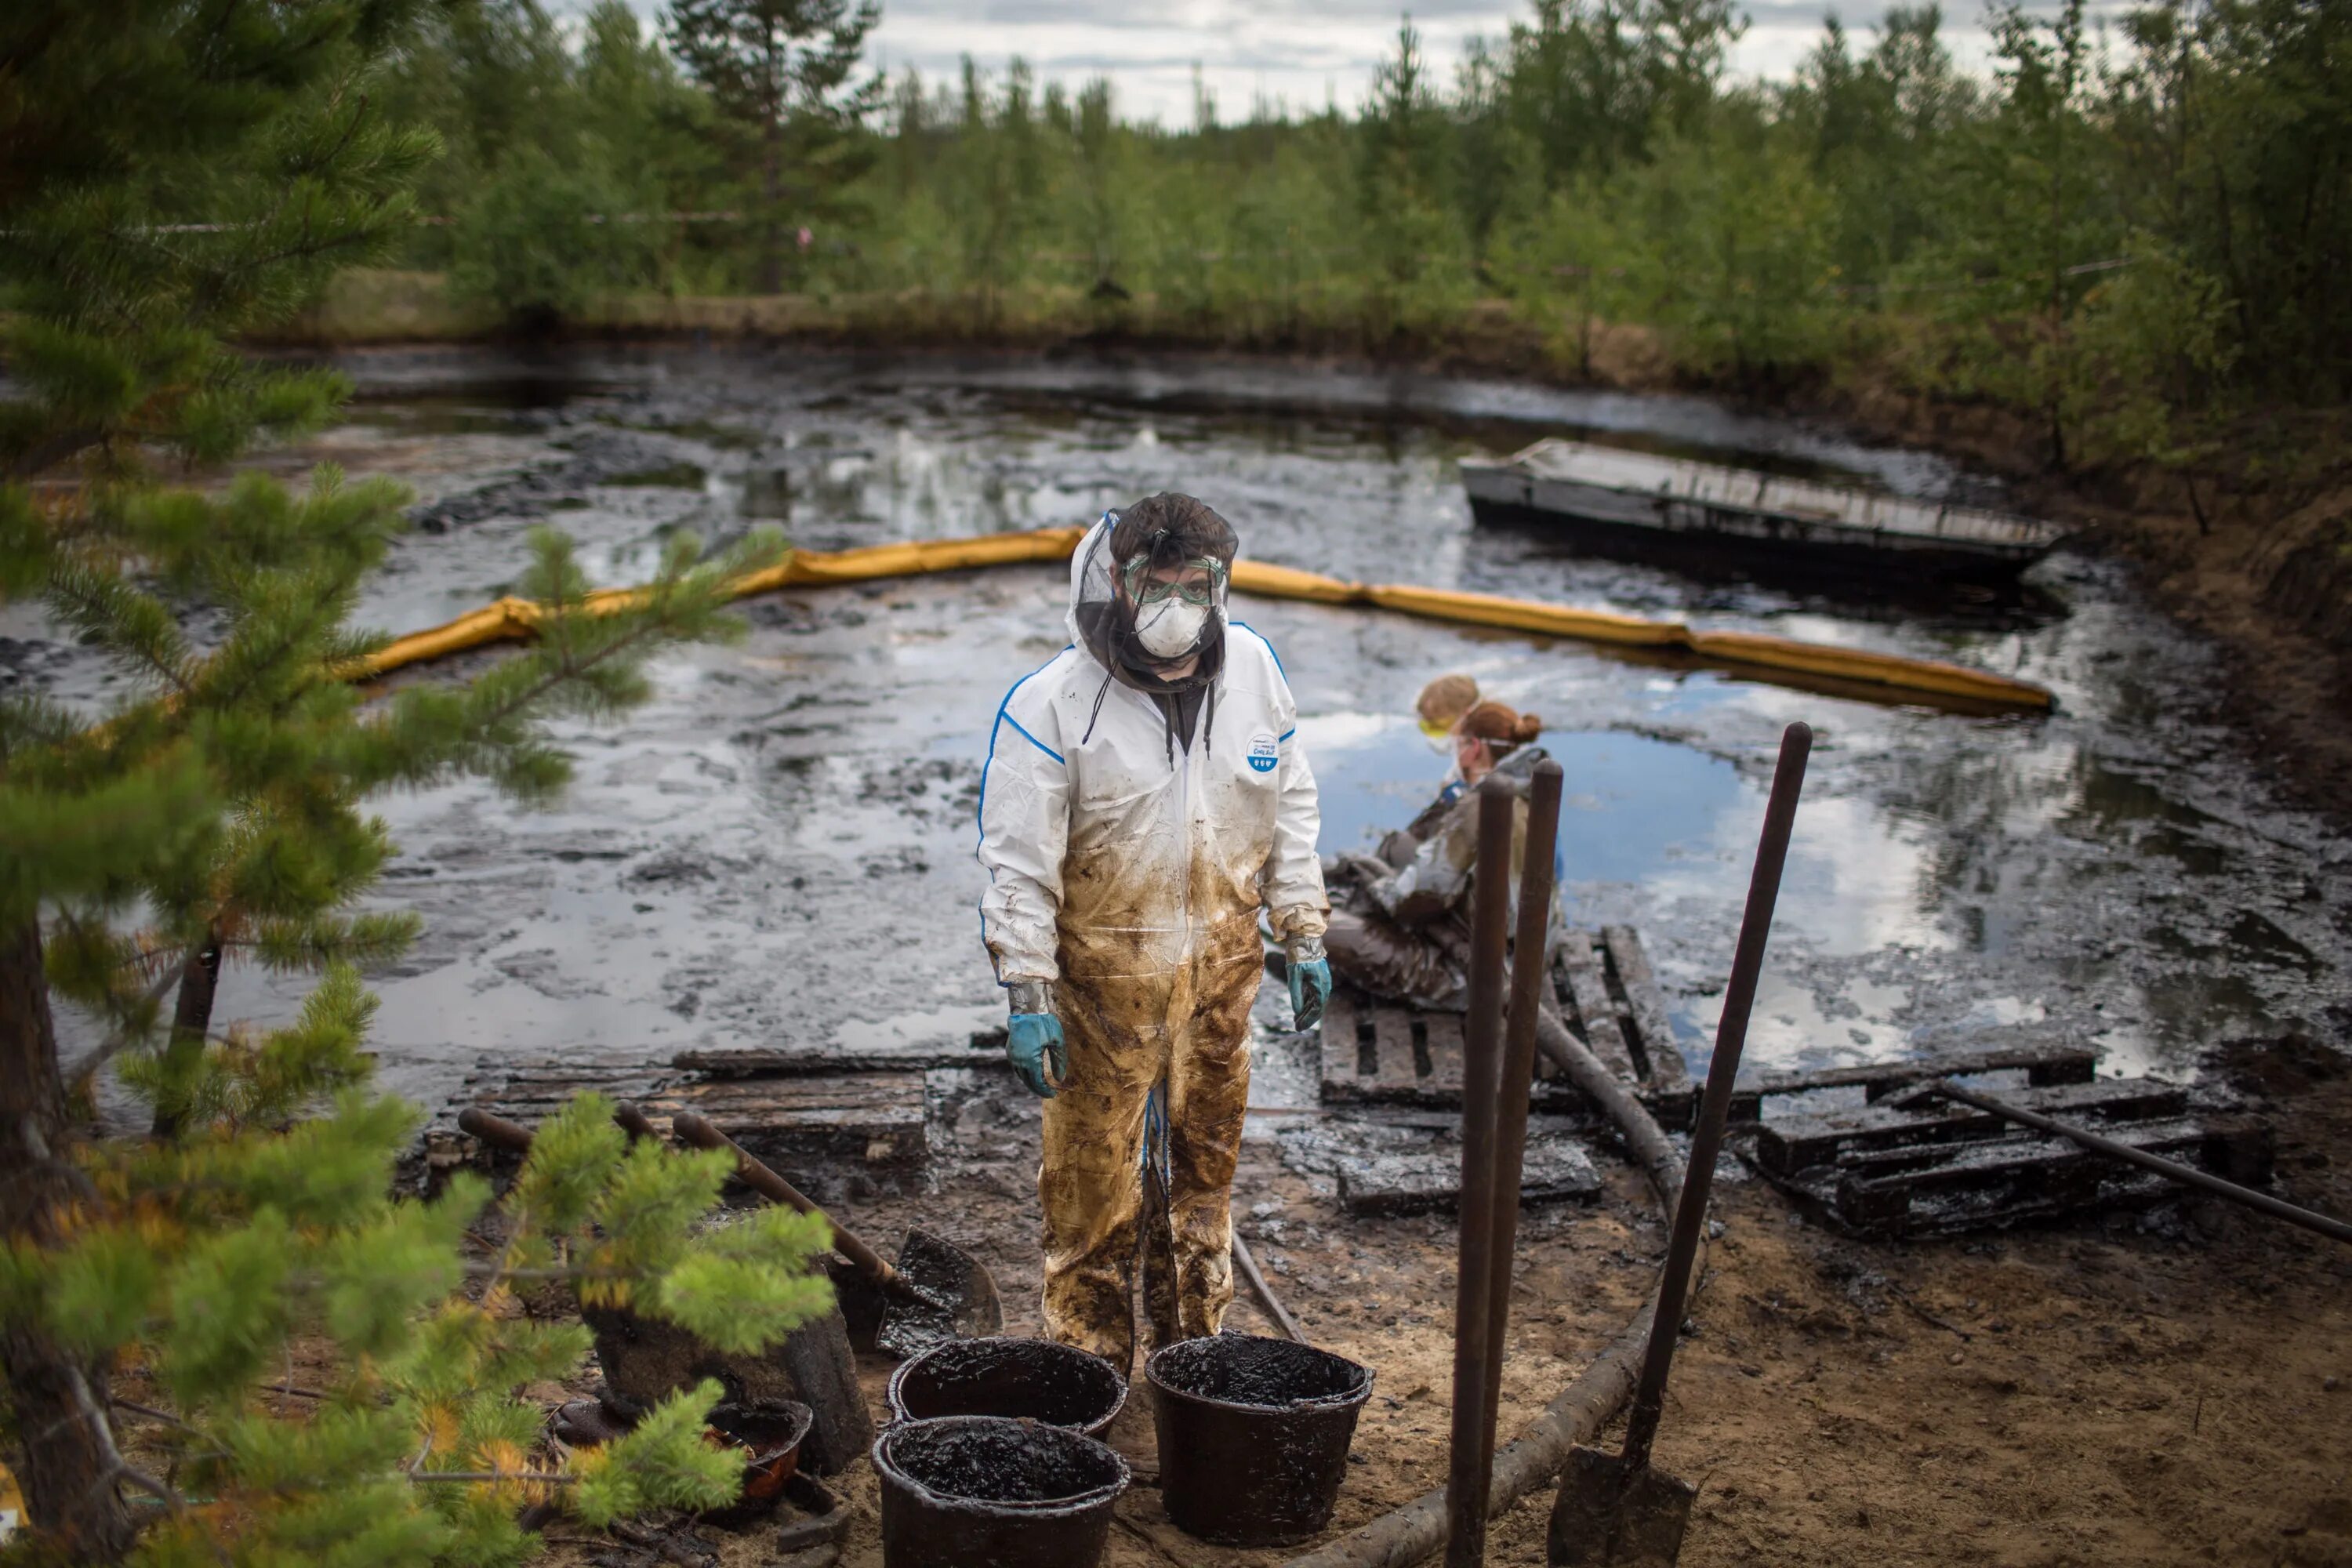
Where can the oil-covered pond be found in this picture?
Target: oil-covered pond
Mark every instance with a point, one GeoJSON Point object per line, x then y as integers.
{"type": "Point", "coordinates": [778, 849]}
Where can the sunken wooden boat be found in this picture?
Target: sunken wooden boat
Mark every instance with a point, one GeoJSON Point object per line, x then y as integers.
{"type": "Point", "coordinates": [1636, 505]}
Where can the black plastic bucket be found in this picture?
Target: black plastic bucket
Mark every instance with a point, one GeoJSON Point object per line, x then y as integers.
{"type": "Point", "coordinates": [1037, 1379]}
{"type": "Point", "coordinates": [984, 1491]}
{"type": "Point", "coordinates": [1253, 1436]}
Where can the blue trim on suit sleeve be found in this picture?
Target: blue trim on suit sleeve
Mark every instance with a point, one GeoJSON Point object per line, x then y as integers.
{"type": "Point", "coordinates": [980, 812]}
{"type": "Point", "coordinates": [1025, 735]}
{"type": "Point", "coordinates": [1261, 637]}
{"type": "Point", "coordinates": [1286, 735]}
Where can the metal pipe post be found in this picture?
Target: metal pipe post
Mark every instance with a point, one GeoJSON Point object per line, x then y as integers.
{"type": "Point", "coordinates": [1529, 988]}
{"type": "Point", "coordinates": [1466, 1474]}
{"type": "Point", "coordinates": [1707, 1139]}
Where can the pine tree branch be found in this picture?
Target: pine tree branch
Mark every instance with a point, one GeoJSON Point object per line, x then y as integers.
{"type": "Point", "coordinates": [95, 611]}
{"type": "Point", "coordinates": [118, 1469]}
{"type": "Point", "coordinates": [46, 455]}
{"type": "Point", "coordinates": [162, 1418]}
{"type": "Point", "coordinates": [490, 1478]}
{"type": "Point", "coordinates": [81, 1071]}
{"type": "Point", "coordinates": [40, 1157]}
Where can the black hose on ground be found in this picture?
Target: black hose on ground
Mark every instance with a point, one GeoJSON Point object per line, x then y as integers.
{"type": "Point", "coordinates": [1534, 1457]}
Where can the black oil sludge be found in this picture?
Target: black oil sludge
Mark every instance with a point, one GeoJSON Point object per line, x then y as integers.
{"type": "Point", "coordinates": [982, 1492]}
{"type": "Point", "coordinates": [1253, 1436]}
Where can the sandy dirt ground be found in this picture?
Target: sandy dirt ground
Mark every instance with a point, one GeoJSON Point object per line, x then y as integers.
{"type": "Point", "coordinates": [2166, 1388]}
{"type": "Point", "coordinates": [2159, 1389]}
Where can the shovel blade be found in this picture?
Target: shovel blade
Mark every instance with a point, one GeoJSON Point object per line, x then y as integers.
{"type": "Point", "coordinates": [861, 1301]}
{"type": "Point", "coordinates": [1610, 1515]}
{"type": "Point", "coordinates": [958, 1298]}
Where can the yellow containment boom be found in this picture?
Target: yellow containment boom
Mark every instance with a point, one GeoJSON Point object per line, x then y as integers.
{"type": "Point", "coordinates": [1848, 671]}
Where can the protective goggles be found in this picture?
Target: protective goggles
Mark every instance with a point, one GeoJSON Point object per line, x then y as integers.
{"type": "Point", "coordinates": [1204, 590]}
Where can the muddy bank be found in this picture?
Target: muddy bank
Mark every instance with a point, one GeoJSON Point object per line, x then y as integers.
{"type": "Point", "coordinates": [2253, 551]}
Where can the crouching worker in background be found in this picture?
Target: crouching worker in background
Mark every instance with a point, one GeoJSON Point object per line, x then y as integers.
{"type": "Point", "coordinates": [1400, 927]}
{"type": "Point", "coordinates": [1146, 795]}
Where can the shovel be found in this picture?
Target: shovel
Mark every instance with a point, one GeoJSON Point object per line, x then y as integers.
{"type": "Point", "coordinates": [937, 1292]}
{"type": "Point", "coordinates": [1614, 1511]}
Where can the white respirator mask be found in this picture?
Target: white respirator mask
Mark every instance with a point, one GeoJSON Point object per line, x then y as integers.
{"type": "Point", "coordinates": [1169, 628]}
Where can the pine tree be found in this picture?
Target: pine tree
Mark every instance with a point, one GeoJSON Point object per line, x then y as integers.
{"type": "Point", "coordinates": [780, 70]}
{"type": "Point", "coordinates": [177, 173]}
{"type": "Point", "coordinates": [1410, 227]}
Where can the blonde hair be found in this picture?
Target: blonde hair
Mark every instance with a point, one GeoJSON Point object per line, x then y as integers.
{"type": "Point", "coordinates": [1443, 701]}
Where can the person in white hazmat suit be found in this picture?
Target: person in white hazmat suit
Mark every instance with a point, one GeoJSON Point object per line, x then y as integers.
{"type": "Point", "coordinates": [1146, 795]}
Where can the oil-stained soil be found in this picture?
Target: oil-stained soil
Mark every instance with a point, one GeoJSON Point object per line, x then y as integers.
{"type": "Point", "coordinates": [777, 850]}
{"type": "Point", "coordinates": [2171, 1388]}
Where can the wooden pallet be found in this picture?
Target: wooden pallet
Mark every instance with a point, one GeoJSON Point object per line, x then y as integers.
{"type": "Point", "coordinates": [1425, 1181]}
{"type": "Point", "coordinates": [2042, 1064]}
{"type": "Point", "coordinates": [985, 1048]}
{"type": "Point", "coordinates": [1916, 1166]}
{"type": "Point", "coordinates": [876, 1118]}
{"type": "Point", "coordinates": [1387, 1053]}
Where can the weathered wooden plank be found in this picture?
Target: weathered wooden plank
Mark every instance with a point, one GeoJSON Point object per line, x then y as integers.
{"type": "Point", "coordinates": [1658, 1056]}
{"type": "Point", "coordinates": [1790, 1145]}
{"type": "Point", "coordinates": [1596, 1013]}
{"type": "Point", "coordinates": [2012, 1177]}
{"type": "Point", "coordinates": [1396, 1073]}
{"type": "Point", "coordinates": [982, 1050]}
{"type": "Point", "coordinates": [2043, 1063]}
{"type": "Point", "coordinates": [1423, 1181]}
{"type": "Point", "coordinates": [1945, 1189]}
{"type": "Point", "coordinates": [1342, 1073]}
{"type": "Point", "coordinates": [1444, 1046]}
{"type": "Point", "coordinates": [873, 1117]}
{"type": "Point", "coordinates": [877, 1117]}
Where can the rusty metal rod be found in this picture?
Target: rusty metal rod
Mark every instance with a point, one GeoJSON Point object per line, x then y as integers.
{"type": "Point", "coordinates": [1410, 1534]}
{"type": "Point", "coordinates": [2190, 1175]}
{"type": "Point", "coordinates": [495, 1131]}
{"type": "Point", "coordinates": [1707, 1138]}
{"type": "Point", "coordinates": [515, 1138]}
{"type": "Point", "coordinates": [1264, 1291]}
{"type": "Point", "coordinates": [1531, 976]}
{"type": "Point", "coordinates": [1466, 1476]}
{"type": "Point", "coordinates": [754, 1174]}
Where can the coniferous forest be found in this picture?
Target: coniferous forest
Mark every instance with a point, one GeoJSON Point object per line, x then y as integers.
{"type": "Point", "coordinates": [2129, 235]}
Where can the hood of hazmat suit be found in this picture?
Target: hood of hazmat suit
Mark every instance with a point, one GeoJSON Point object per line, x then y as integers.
{"type": "Point", "coordinates": [1105, 830]}
{"type": "Point", "coordinates": [1146, 797]}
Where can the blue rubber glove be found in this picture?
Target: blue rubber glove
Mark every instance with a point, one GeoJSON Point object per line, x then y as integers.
{"type": "Point", "coordinates": [1310, 988]}
{"type": "Point", "coordinates": [1030, 1039]}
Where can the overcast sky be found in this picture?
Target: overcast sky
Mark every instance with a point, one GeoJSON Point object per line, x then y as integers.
{"type": "Point", "coordinates": [1301, 52]}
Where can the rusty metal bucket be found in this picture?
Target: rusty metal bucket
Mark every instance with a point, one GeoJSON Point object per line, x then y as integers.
{"type": "Point", "coordinates": [1253, 1436]}
{"type": "Point", "coordinates": [770, 1432]}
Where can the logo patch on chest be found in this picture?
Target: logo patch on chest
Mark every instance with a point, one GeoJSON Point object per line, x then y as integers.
{"type": "Point", "coordinates": [1264, 750]}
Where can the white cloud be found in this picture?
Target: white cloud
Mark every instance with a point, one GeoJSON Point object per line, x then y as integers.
{"type": "Point", "coordinates": [1302, 53]}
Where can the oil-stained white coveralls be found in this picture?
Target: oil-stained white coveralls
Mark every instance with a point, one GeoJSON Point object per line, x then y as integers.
{"type": "Point", "coordinates": [1133, 883]}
